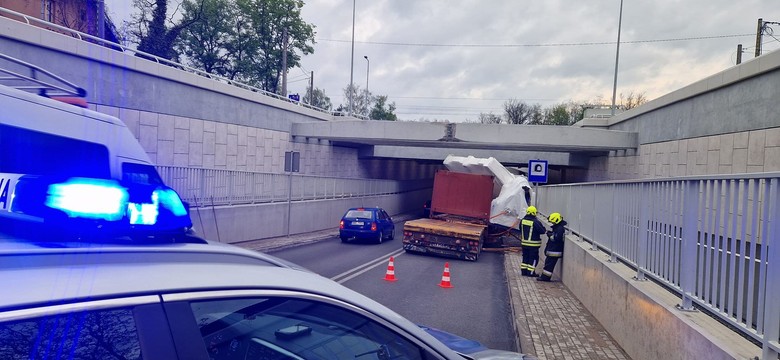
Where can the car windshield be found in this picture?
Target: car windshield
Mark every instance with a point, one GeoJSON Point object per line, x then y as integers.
{"type": "Point", "coordinates": [359, 214]}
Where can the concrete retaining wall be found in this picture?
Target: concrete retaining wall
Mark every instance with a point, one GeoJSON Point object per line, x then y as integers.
{"type": "Point", "coordinates": [251, 222]}
{"type": "Point", "coordinates": [641, 315]}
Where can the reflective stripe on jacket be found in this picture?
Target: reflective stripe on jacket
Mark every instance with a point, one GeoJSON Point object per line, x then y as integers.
{"type": "Point", "coordinates": [531, 231]}
{"type": "Point", "coordinates": [554, 246]}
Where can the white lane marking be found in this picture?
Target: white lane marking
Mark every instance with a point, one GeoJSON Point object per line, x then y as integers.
{"type": "Point", "coordinates": [351, 273]}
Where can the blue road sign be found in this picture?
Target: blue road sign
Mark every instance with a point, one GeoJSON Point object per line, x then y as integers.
{"type": "Point", "coordinates": [537, 171]}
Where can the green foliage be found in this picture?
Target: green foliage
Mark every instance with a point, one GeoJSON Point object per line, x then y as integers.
{"type": "Point", "coordinates": [379, 112]}
{"type": "Point", "coordinates": [318, 98]}
{"type": "Point", "coordinates": [154, 29]}
{"type": "Point", "coordinates": [205, 42]}
{"type": "Point", "coordinates": [557, 115]}
{"type": "Point", "coordinates": [242, 40]}
{"type": "Point", "coordinates": [361, 100]}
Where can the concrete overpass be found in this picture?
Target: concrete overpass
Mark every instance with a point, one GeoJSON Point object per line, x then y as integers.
{"type": "Point", "coordinates": [510, 144]}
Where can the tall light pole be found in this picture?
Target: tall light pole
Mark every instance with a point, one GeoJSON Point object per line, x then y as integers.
{"type": "Point", "coordinates": [368, 66]}
{"type": "Point", "coordinates": [617, 57]}
{"type": "Point", "coordinates": [352, 60]}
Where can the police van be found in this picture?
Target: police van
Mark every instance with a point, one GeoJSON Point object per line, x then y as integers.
{"type": "Point", "coordinates": [45, 139]}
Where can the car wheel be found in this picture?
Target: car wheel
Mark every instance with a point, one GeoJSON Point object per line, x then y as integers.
{"type": "Point", "coordinates": [392, 235]}
{"type": "Point", "coordinates": [380, 238]}
{"type": "Point", "coordinates": [343, 239]}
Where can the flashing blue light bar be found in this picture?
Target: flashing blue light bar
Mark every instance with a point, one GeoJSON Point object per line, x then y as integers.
{"type": "Point", "coordinates": [89, 198]}
{"type": "Point", "coordinates": [171, 201]}
{"type": "Point", "coordinates": [143, 214]}
{"type": "Point", "coordinates": [98, 206]}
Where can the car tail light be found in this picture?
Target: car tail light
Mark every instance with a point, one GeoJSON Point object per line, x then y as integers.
{"type": "Point", "coordinates": [373, 226]}
{"type": "Point", "coordinates": [341, 224]}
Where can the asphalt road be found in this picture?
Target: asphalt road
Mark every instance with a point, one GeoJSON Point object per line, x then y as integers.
{"type": "Point", "coordinates": [476, 307]}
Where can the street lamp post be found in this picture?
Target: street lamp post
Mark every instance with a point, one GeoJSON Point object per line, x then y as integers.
{"type": "Point", "coordinates": [368, 66]}
{"type": "Point", "coordinates": [352, 60]}
{"type": "Point", "coordinates": [617, 57]}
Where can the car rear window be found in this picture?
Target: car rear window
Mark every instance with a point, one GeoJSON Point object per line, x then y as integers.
{"type": "Point", "coordinates": [359, 214]}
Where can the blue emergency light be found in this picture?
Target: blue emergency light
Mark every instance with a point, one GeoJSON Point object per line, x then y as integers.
{"type": "Point", "coordinates": [89, 198]}
{"type": "Point", "coordinates": [87, 204]}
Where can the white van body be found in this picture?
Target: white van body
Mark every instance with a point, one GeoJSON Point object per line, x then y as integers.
{"type": "Point", "coordinates": [42, 136]}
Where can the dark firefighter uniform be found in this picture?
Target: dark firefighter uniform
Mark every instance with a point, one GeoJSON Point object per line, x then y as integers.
{"type": "Point", "coordinates": [531, 230]}
{"type": "Point", "coordinates": [554, 249]}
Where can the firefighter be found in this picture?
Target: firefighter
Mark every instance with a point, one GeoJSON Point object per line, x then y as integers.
{"type": "Point", "coordinates": [554, 249]}
{"type": "Point", "coordinates": [531, 230]}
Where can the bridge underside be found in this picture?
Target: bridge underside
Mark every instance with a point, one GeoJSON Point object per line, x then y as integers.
{"type": "Point", "coordinates": [514, 145]}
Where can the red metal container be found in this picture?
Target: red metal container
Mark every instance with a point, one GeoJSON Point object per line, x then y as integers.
{"type": "Point", "coordinates": [462, 194]}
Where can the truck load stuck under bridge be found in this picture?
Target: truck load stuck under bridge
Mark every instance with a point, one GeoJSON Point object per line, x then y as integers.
{"type": "Point", "coordinates": [474, 203]}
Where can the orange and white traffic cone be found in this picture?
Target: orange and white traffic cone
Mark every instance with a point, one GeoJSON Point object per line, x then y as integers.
{"type": "Point", "coordinates": [445, 277]}
{"type": "Point", "coordinates": [390, 274]}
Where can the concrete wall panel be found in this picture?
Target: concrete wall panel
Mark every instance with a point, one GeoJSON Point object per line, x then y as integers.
{"type": "Point", "coordinates": [233, 224]}
{"type": "Point", "coordinates": [641, 316]}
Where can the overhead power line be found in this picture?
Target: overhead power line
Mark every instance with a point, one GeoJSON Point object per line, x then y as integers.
{"type": "Point", "coordinates": [539, 45]}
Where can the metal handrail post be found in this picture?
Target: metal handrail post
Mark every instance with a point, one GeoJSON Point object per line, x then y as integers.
{"type": "Point", "coordinates": [771, 340]}
{"type": "Point", "coordinates": [593, 245]}
{"type": "Point", "coordinates": [644, 218]}
{"type": "Point", "coordinates": [614, 228]}
{"type": "Point", "coordinates": [689, 243]}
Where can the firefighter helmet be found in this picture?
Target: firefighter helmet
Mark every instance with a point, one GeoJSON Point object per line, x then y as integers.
{"type": "Point", "coordinates": [555, 218]}
{"type": "Point", "coordinates": [531, 210]}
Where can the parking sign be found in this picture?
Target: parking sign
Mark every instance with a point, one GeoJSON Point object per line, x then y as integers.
{"type": "Point", "coordinates": [537, 171]}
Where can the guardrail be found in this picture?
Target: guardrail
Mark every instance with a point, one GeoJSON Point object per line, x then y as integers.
{"type": "Point", "coordinates": [126, 49]}
{"type": "Point", "coordinates": [208, 187]}
{"type": "Point", "coordinates": [712, 240]}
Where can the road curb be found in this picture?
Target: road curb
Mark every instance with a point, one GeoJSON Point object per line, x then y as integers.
{"type": "Point", "coordinates": [524, 341]}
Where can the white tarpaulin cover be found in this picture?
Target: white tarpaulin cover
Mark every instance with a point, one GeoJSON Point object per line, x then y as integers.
{"type": "Point", "coordinates": [509, 202]}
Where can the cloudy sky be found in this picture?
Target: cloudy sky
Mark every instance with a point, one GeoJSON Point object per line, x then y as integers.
{"type": "Point", "coordinates": [453, 59]}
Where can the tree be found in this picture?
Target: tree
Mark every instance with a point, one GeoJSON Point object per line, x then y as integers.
{"type": "Point", "coordinates": [632, 100]}
{"type": "Point", "coordinates": [379, 112]}
{"type": "Point", "coordinates": [268, 21]}
{"type": "Point", "coordinates": [154, 30]}
{"type": "Point", "coordinates": [556, 115]}
{"type": "Point", "coordinates": [205, 43]}
{"type": "Point", "coordinates": [519, 112]}
{"type": "Point", "coordinates": [564, 114]}
{"type": "Point", "coordinates": [318, 98]}
{"type": "Point", "coordinates": [361, 100]}
{"type": "Point", "coordinates": [490, 118]}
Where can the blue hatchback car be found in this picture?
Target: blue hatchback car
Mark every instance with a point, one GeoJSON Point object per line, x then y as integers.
{"type": "Point", "coordinates": [366, 224]}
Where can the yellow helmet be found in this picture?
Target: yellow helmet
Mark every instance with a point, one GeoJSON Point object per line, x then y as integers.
{"type": "Point", "coordinates": [531, 210]}
{"type": "Point", "coordinates": [555, 218]}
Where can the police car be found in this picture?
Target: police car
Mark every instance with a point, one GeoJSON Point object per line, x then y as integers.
{"type": "Point", "coordinates": [77, 293]}
{"type": "Point", "coordinates": [98, 261]}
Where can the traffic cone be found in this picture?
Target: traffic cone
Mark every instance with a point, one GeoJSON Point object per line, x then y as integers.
{"type": "Point", "coordinates": [445, 277]}
{"type": "Point", "coordinates": [390, 274]}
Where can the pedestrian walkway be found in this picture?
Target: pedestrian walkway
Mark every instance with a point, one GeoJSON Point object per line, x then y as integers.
{"type": "Point", "coordinates": [551, 323]}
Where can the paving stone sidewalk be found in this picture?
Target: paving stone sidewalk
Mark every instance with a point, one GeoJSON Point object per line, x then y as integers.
{"type": "Point", "coordinates": [551, 323]}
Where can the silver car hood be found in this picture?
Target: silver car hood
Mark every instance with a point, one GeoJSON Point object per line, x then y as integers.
{"type": "Point", "coordinates": [491, 354]}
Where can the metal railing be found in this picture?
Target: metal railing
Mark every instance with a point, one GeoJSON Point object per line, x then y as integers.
{"type": "Point", "coordinates": [30, 20]}
{"type": "Point", "coordinates": [208, 187]}
{"type": "Point", "coordinates": [713, 240]}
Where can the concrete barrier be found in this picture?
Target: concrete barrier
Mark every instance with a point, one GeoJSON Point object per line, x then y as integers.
{"type": "Point", "coordinates": [641, 315]}
{"type": "Point", "coordinates": [237, 223]}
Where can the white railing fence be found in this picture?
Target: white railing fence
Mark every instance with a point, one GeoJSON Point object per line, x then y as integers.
{"type": "Point", "coordinates": [209, 187]}
{"type": "Point", "coordinates": [713, 240]}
